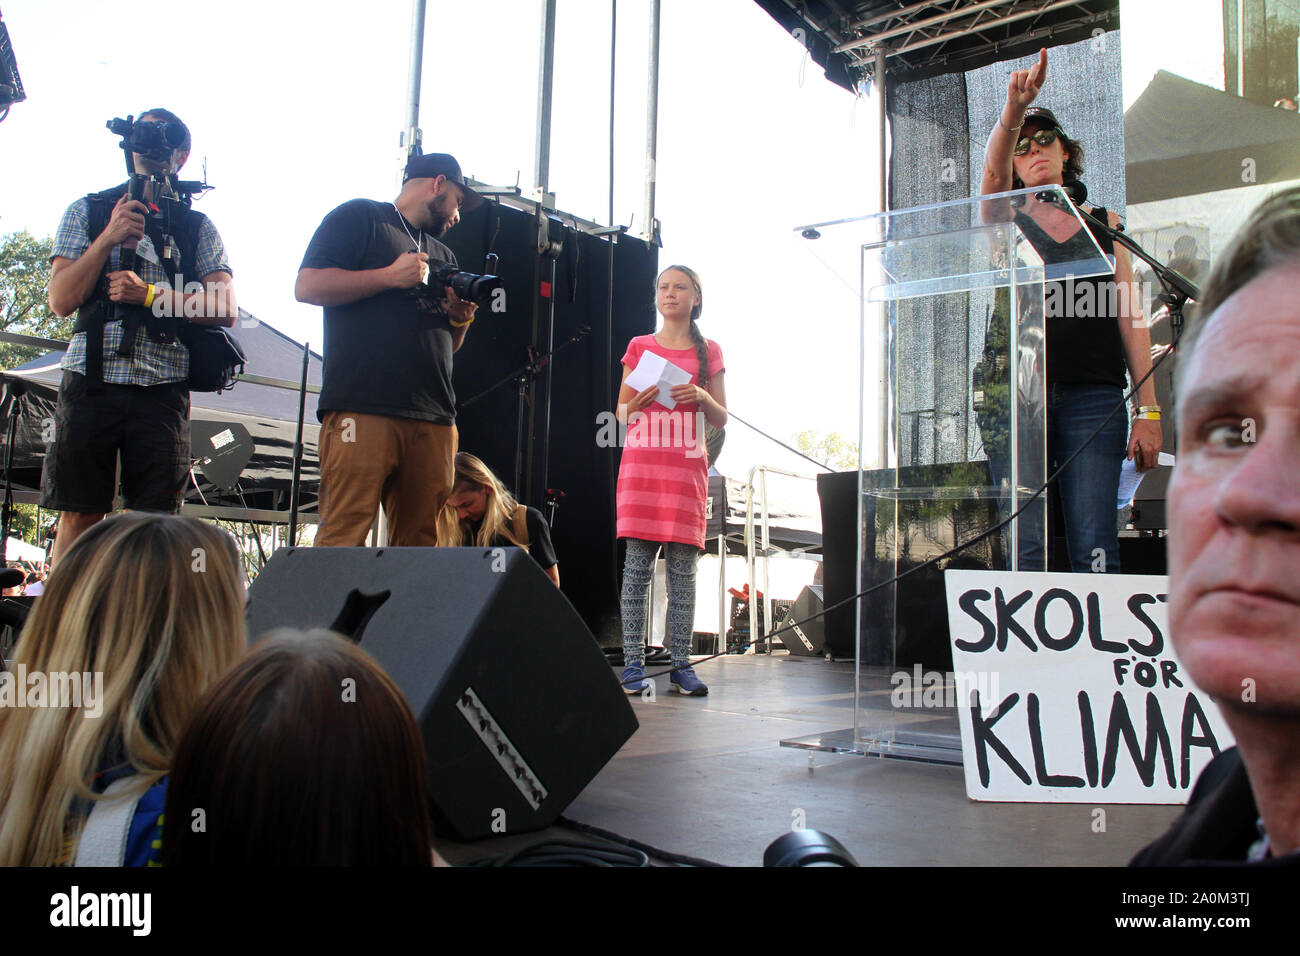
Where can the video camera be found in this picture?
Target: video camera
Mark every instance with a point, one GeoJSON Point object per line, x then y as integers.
{"type": "Point", "coordinates": [149, 138]}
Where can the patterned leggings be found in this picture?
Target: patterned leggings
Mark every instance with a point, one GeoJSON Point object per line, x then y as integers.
{"type": "Point", "coordinates": [637, 571]}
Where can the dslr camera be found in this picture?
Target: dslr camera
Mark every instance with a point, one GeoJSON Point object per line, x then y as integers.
{"type": "Point", "coordinates": [467, 285]}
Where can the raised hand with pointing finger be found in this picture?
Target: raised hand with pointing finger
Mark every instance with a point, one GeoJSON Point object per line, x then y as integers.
{"type": "Point", "coordinates": [1026, 84]}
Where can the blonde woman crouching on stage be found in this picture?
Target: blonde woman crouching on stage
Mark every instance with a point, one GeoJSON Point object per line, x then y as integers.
{"type": "Point", "coordinates": [149, 610]}
{"type": "Point", "coordinates": [481, 513]}
{"type": "Point", "coordinates": [663, 484]}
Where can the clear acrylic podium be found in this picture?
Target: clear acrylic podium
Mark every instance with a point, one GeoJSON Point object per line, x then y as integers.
{"type": "Point", "coordinates": [950, 311]}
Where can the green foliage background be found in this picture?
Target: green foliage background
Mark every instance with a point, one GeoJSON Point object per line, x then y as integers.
{"type": "Point", "coordinates": [25, 309]}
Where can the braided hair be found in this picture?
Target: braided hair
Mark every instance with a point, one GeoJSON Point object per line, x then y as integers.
{"type": "Point", "coordinates": [714, 437]}
{"type": "Point", "coordinates": [701, 344]}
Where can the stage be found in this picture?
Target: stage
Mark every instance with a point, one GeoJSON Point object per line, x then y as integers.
{"type": "Point", "coordinates": [706, 777]}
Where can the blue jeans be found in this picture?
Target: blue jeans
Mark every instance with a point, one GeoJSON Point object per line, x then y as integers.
{"type": "Point", "coordinates": [1089, 487]}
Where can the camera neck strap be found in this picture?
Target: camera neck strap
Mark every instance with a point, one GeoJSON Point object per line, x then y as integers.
{"type": "Point", "coordinates": [419, 245]}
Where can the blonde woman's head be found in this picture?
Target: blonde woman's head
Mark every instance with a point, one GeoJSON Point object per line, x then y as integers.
{"type": "Point", "coordinates": [479, 508]}
{"type": "Point", "coordinates": [152, 606]}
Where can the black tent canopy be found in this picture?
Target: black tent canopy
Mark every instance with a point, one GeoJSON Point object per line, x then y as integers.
{"type": "Point", "coordinates": [269, 413]}
{"type": "Point", "coordinates": [1182, 138]}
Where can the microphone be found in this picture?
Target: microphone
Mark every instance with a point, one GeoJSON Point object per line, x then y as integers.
{"type": "Point", "coordinates": [1075, 190]}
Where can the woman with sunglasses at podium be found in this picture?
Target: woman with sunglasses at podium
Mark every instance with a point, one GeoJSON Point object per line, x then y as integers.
{"type": "Point", "coordinates": [1091, 340]}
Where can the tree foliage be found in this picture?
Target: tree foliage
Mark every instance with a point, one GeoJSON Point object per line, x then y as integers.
{"type": "Point", "coordinates": [24, 526]}
{"type": "Point", "coordinates": [24, 291]}
{"type": "Point", "coordinates": [830, 449]}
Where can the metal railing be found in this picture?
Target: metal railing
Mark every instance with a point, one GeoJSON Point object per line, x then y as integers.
{"type": "Point", "coordinates": [761, 472]}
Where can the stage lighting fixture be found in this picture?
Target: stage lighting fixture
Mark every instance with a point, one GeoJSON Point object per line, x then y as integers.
{"type": "Point", "coordinates": [11, 86]}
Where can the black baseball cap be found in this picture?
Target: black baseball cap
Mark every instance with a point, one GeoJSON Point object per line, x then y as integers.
{"type": "Point", "coordinates": [431, 165]}
{"type": "Point", "coordinates": [1042, 116]}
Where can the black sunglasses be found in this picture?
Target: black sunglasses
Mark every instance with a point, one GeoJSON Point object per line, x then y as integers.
{"type": "Point", "coordinates": [1044, 137]}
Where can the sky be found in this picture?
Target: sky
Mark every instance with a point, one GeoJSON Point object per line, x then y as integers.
{"type": "Point", "coordinates": [1189, 44]}
{"type": "Point", "coordinates": [297, 107]}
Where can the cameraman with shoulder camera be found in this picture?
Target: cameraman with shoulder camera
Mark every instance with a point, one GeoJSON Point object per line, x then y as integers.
{"type": "Point", "coordinates": [386, 405]}
{"type": "Point", "coordinates": [124, 389]}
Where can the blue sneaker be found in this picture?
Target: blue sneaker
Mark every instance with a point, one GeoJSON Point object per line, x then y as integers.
{"type": "Point", "coordinates": [633, 679]}
{"type": "Point", "coordinates": [685, 682]}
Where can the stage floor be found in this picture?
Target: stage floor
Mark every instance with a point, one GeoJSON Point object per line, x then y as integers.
{"type": "Point", "coordinates": [707, 777]}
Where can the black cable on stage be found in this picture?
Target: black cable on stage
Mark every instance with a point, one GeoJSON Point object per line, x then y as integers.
{"type": "Point", "coordinates": [566, 853]}
{"type": "Point", "coordinates": [645, 848]}
{"type": "Point", "coordinates": [626, 852]}
{"type": "Point", "coordinates": [823, 467]}
{"type": "Point", "coordinates": [947, 554]}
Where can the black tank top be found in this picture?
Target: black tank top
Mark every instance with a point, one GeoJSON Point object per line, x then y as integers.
{"type": "Point", "coordinates": [1083, 341]}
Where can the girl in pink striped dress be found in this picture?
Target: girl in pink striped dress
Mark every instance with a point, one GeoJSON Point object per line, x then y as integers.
{"type": "Point", "coordinates": [663, 475]}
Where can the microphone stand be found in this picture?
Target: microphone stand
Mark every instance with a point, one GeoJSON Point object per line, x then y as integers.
{"type": "Point", "coordinates": [14, 389]}
{"type": "Point", "coordinates": [295, 481]}
{"type": "Point", "coordinates": [1178, 289]}
{"type": "Point", "coordinates": [525, 375]}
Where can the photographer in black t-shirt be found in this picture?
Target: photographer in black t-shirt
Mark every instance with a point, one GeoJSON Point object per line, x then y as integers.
{"type": "Point", "coordinates": [386, 405]}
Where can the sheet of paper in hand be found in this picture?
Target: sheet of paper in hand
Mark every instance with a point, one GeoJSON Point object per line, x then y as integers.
{"type": "Point", "coordinates": [656, 370]}
{"type": "Point", "coordinates": [1087, 702]}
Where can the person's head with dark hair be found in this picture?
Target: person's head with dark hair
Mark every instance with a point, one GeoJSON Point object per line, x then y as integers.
{"type": "Point", "coordinates": [305, 754]}
{"type": "Point", "coordinates": [1234, 521]}
{"type": "Point", "coordinates": [180, 154]}
{"type": "Point", "coordinates": [159, 115]}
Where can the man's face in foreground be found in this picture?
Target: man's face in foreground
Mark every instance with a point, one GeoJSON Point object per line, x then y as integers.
{"type": "Point", "coordinates": [1234, 501]}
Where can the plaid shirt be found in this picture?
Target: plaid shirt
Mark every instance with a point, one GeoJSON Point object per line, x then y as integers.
{"type": "Point", "coordinates": [151, 363]}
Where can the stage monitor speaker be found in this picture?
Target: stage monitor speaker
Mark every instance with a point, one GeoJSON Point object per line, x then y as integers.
{"type": "Point", "coordinates": [516, 704]}
{"type": "Point", "coordinates": [807, 639]}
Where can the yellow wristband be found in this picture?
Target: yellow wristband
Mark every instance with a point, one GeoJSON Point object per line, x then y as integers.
{"type": "Point", "coordinates": [1148, 416]}
{"type": "Point", "coordinates": [149, 296]}
{"type": "Point", "coordinates": [460, 325]}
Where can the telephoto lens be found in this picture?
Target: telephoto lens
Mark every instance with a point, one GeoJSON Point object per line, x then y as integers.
{"type": "Point", "coordinates": [467, 285]}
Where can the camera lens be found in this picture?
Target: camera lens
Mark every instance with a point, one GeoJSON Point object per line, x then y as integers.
{"type": "Point", "coordinates": [173, 134]}
{"type": "Point", "coordinates": [474, 288]}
